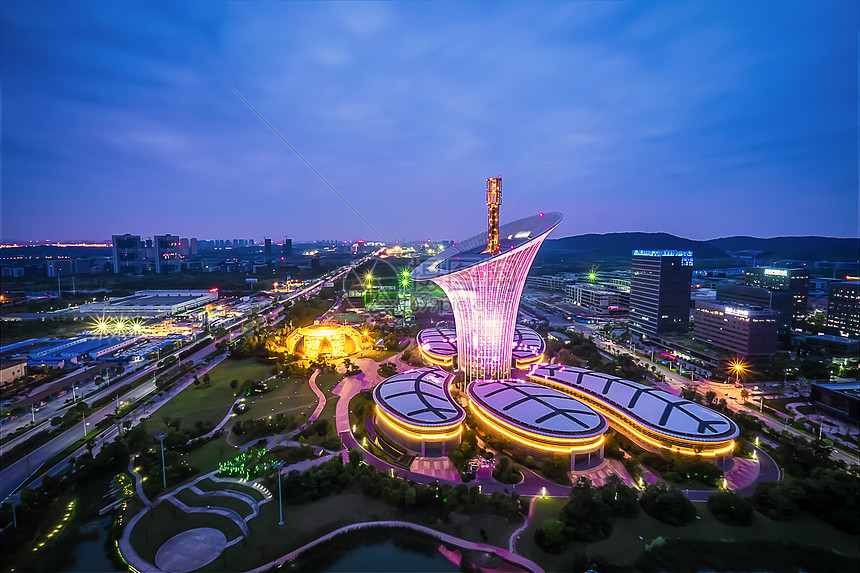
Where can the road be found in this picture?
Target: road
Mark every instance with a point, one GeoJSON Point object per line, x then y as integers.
{"type": "Point", "coordinates": [13, 475]}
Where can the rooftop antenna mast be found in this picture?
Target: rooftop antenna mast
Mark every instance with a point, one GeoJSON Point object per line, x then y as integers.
{"type": "Point", "coordinates": [494, 200]}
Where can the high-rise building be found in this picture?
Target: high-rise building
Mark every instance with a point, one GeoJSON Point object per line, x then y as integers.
{"type": "Point", "coordinates": [267, 249]}
{"type": "Point", "coordinates": [660, 292]}
{"type": "Point", "coordinates": [128, 254]}
{"type": "Point", "coordinates": [166, 255]}
{"type": "Point", "coordinates": [484, 281]}
{"type": "Point", "coordinates": [184, 247]}
{"type": "Point", "coordinates": [192, 245]}
{"type": "Point", "coordinates": [843, 309]}
{"type": "Point", "coordinates": [287, 249]}
{"type": "Point", "coordinates": [748, 332]}
{"type": "Point", "coordinates": [794, 281]}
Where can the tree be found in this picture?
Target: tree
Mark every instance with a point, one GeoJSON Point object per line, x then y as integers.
{"type": "Point", "coordinates": [745, 394]}
{"type": "Point", "coordinates": [667, 504]}
{"type": "Point", "coordinates": [710, 396]}
{"type": "Point", "coordinates": [355, 458]}
{"type": "Point", "coordinates": [234, 383]}
{"type": "Point", "coordinates": [553, 533]}
{"type": "Point", "coordinates": [730, 508]}
{"type": "Point", "coordinates": [623, 500]}
{"type": "Point", "coordinates": [586, 516]}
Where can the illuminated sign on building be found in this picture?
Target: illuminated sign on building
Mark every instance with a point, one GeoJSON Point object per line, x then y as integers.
{"type": "Point", "coordinates": [776, 272]}
{"type": "Point", "coordinates": [686, 256]}
{"type": "Point", "coordinates": [737, 312]}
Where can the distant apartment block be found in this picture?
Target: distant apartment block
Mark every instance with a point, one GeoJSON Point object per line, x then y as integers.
{"type": "Point", "coordinates": [128, 254]}
{"type": "Point", "coordinates": [167, 253]}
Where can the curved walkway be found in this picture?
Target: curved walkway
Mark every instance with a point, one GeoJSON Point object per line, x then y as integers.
{"type": "Point", "coordinates": [313, 383]}
{"type": "Point", "coordinates": [443, 537]}
{"type": "Point", "coordinates": [512, 542]}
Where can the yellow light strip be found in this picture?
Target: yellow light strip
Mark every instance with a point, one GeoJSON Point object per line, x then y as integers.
{"type": "Point", "coordinates": [527, 433]}
{"type": "Point", "coordinates": [435, 359]}
{"type": "Point", "coordinates": [396, 426]}
{"type": "Point", "coordinates": [614, 414]}
{"type": "Point", "coordinates": [587, 447]}
{"type": "Point", "coordinates": [526, 362]}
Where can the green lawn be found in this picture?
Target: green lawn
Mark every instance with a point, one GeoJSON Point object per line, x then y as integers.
{"type": "Point", "coordinates": [192, 499]}
{"type": "Point", "coordinates": [291, 396]}
{"type": "Point", "coordinates": [212, 485]}
{"type": "Point", "coordinates": [209, 403]}
{"type": "Point", "coordinates": [625, 544]}
{"type": "Point", "coordinates": [166, 520]}
{"type": "Point", "coordinates": [206, 457]}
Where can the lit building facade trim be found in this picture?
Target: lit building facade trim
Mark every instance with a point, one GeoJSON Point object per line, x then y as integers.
{"type": "Point", "coordinates": [629, 423]}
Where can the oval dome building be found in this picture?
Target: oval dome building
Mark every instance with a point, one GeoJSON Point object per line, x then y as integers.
{"type": "Point", "coordinates": [539, 421]}
{"type": "Point", "coordinates": [415, 412]}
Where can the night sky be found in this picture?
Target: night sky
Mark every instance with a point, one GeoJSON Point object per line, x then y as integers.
{"type": "Point", "coordinates": [742, 118]}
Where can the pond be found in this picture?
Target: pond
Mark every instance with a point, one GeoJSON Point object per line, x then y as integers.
{"type": "Point", "coordinates": [390, 557]}
{"type": "Point", "coordinates": [89, 555]}
{"type": "Point", "coordinates": [376, 550]}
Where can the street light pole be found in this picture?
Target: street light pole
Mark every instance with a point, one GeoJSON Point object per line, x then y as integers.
{"type": "Point", "coordinates": [279, 465]}
{"type": "Point", "coordinates": [160, 438]}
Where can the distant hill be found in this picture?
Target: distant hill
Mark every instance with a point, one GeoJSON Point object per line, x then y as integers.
{"type": "Point", "coordinates": [805, 248]}
{"type": "Point", "coordinates": [623, 244]}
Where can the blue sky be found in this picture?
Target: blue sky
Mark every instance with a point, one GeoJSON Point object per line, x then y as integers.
{"type": "Point", "coordinates": [742, 118]}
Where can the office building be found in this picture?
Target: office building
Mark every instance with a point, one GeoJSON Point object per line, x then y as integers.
{"type": "Point", "coordinates": [749, 332]}
{"type": "Point", "coordinates": [596, 298]}
{"type": "Point", "coordinates": [166, 253]}
{"type": "Point", "coordinates": [660, 292]}
{"type": "Point", "coordinates": [128, 254]}
{"type": "Point", "coordinates": [794, 281]}
{"type": "Point", "coordinates": [287, 249]}
{"type": "Point", "coordinates": [780, 301]}
{"type": "Point", "coordinates": [843, 309]}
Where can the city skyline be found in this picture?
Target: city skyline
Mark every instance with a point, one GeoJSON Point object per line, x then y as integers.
{"type": "Point", "coordinates": [120, 120]}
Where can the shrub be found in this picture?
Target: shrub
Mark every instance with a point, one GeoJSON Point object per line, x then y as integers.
{"type": "Point", "coordinates": [667, 504]}
{"type": "Point", "coordinates": [775, 500]}
{"type": "Point", "coordinates": [730, 508]}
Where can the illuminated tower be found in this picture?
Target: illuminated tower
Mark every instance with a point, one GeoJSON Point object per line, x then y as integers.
{"type": "Point", "coordinates": [494, 199]}
{"type": "Point", "coordinates": [484, 289]}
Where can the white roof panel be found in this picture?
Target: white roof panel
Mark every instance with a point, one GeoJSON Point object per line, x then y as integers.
{"type": "Point", "coordinates": [654, 408]}
{"type": "Point", "coordinates": [537, 408]}
{"type": "Point", "coordinates": [419, 397]}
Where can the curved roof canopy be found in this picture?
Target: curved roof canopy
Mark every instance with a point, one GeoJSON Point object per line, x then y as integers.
{"type": "Point", "coordinates": [659, 410]}
{"type": "Point", "coordinates": [528, 344]}
{"type": "Point", "coordinates": [442, 341]}
{"type": "Point", "coordinates": [469, 252]}
{"type": "Point", "coordinates": [419, 397]}
{"type": "Point", "coordinates": [439, 340]}
{"type": "Point", "coordinates": [536, 408]}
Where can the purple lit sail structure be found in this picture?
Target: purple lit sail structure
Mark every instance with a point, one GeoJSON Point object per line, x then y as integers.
{"type": "Point", "coordinates": [484, 289]}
